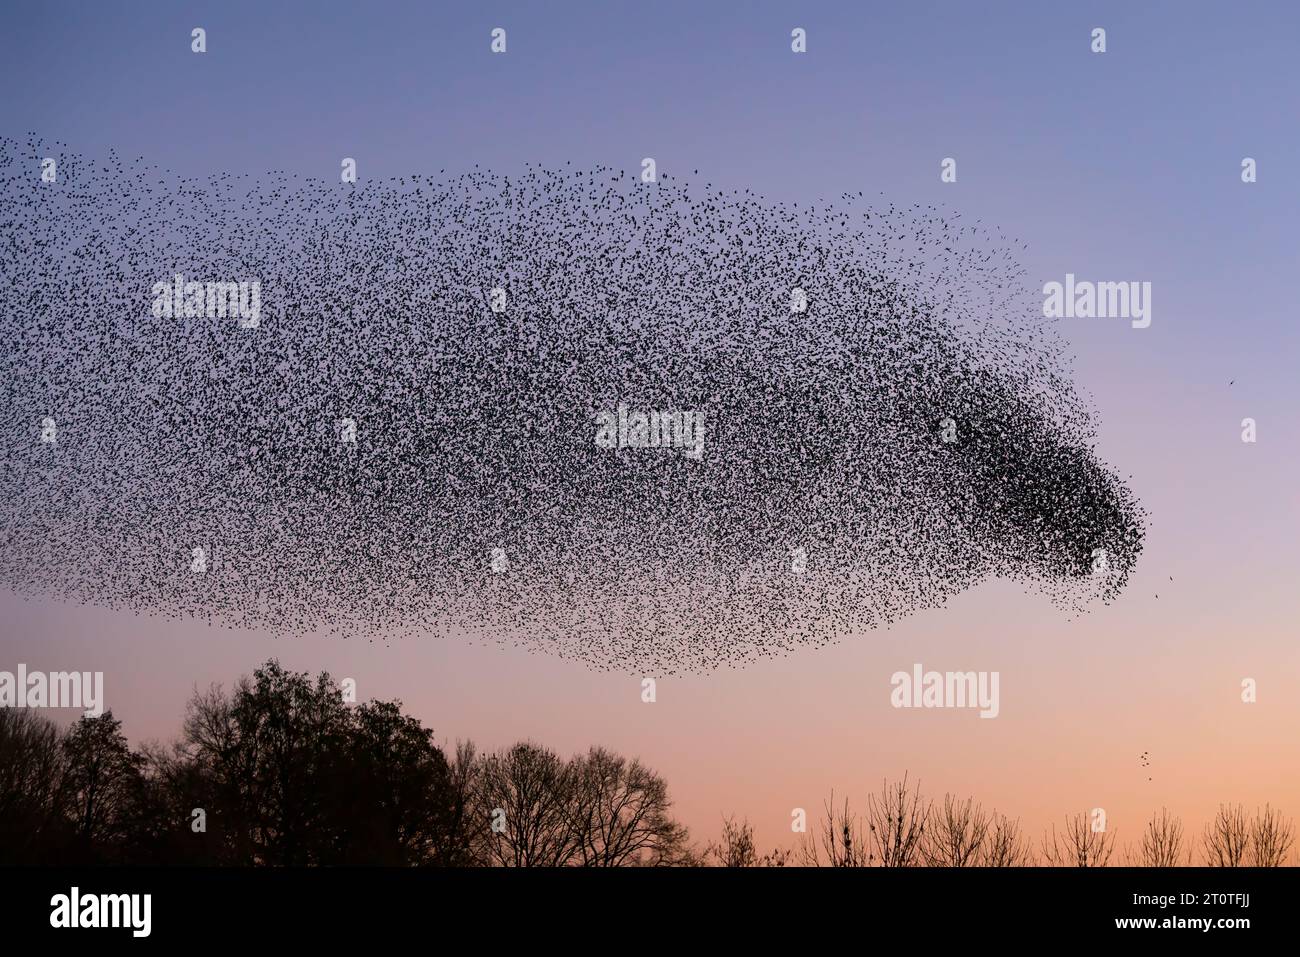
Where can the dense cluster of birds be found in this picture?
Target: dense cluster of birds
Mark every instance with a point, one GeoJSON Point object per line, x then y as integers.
{"type": "Point", "coordinates": [404, 442]}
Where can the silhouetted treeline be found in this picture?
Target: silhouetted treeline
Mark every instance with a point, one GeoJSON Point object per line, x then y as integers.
{"type": "Point", "coordinates": [281, 771]}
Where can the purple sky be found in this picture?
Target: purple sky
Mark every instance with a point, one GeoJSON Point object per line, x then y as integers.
{"type": "Point", "coordinates": [1116, 166]}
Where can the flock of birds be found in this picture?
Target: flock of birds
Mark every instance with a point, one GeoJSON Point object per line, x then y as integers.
{"type": "Point", "coordinates": [907, 433]}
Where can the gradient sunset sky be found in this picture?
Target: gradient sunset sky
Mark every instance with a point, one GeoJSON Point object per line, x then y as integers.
{"type": "Point", "coordinates": [1119, 166]}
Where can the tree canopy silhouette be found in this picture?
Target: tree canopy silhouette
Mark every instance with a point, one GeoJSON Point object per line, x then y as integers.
{"type": "Point", "coordinates": [282, 771]}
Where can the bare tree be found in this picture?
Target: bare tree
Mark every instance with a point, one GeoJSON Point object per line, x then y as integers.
{"type": "Point", "coordinates": [1078, 845]}
{"type": "Point", "coordinates": [33, 798]}
{"type": "Point", "coordinates": [896, 821]}
{"type": "Point", "coordinates": [777, 857]}
{"type": "Point", "coordinates": [1271, 837]}
{"type": "Point", "coordinates": [619, 812]}
{"type": "Point", "coordinates": [523, 792]}
{"type": "Point", "coordinates": [839, 839]}
{"type": "Point", "coordinates": [1005, 845]}
{"type": "Point", "coordinates": [737, 848]}
{"type": "Point", "coordinates": [673, 854]}
{"type": "Point", "coordinates": [467, 828]}
{"type": "Point", "coordinates": [1163, 844]}
{"type": "Point", "coordinates": [1227, 837]}
{"type": "Point", "coordinates": [174, 786]}
{"type": "Point", "coordinates": [956, 834]}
